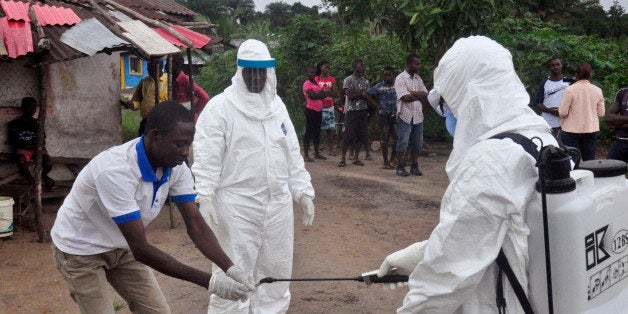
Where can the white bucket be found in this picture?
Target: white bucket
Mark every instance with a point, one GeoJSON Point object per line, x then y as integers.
{"type": "Point", "coordinates": [6, 216]}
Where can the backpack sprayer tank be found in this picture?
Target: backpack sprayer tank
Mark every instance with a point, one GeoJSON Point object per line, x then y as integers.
{"type": "Point", "coordinates": [587, 217]}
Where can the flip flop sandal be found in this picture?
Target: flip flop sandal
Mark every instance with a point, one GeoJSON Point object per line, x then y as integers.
{"type": "Point", "coordinates": [342, 164]}
{"type": "Point", "coordinates": [357, 163]}
{"type": "Point", "coordinates": [388, 167]}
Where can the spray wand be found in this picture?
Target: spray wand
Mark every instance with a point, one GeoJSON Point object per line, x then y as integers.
{"type": "Point", "coordinates": [368, 278]}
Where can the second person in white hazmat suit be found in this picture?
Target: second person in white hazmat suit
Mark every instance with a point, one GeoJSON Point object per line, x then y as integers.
{"type": "Point", "coordinates": [248, 171]}
{"type": "Point", "coordinates": [492, 184]}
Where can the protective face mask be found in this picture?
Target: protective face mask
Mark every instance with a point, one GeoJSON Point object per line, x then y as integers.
{"type": "Point", "coordinates": [450, 123]}
{"type": "Point", "coordinates": [440, 106]}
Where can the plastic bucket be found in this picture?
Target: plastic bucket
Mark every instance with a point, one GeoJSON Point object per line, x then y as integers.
{"type": "Point", "coordinates": [6, 216]}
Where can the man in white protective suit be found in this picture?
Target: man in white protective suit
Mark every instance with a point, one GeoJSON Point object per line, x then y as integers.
{"type": "Point", "coordinates": [492, 184]}
{"type": "Point", "coordinates": [248, 171]}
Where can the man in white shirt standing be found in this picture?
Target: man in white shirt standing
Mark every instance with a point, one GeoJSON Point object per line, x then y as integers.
{"type": "Point", "coordinates": [550, 93]}
{"type": "Point", "coordinates": [411, 96]}
{"type": "Point", "coordinates": [99, 234]}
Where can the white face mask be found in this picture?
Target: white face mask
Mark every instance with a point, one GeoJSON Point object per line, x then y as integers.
{"type": "Point", "coordinates": [442, 109]}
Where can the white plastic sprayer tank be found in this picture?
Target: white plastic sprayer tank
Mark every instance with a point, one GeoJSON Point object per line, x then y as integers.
{"type": "Point", "coordinates": [588, 232]}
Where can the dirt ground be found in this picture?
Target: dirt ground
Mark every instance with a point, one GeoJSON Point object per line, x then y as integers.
{"type": "Point", "coordinates": [362, 214]}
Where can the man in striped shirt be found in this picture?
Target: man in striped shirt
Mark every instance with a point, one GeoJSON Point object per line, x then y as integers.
{"type": "Point", "coordinates": [411, 96]}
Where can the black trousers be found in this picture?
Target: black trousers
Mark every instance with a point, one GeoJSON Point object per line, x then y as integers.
{"type": "Point", "coordinates": [313, 121]}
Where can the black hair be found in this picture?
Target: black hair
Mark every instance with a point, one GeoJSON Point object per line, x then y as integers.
{"type": "Point", "coordinates": [389, 68]}
{"type": "Point", "coordinates": [356, 62]}
{"type": "Point", "coordinates": [319, 65]}
{"type": "Point", "coordinates": [165, 115]}
{"type": "Point", "coordinates": [584, 71]}
{"type": "Point", "coordinates": [547, 63]}
{"type": "Point", "coordinates": [177, 63]}
{"type": "Point", "coordinates": [412, 56]}
{"type": "Point", "coordinates": [27, 101]}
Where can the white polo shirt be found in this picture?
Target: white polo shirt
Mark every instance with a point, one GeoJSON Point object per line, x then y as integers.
{"type": "Point", "coordinates": [117, 186]}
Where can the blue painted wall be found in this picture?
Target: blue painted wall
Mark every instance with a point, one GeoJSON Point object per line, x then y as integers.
{"type": "Point", "coordinates": [131, 80]}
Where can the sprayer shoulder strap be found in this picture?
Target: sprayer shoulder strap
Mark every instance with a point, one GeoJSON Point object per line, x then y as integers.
{"type": "Point", "coordinates": [502, 261]}
{"type": "Point", "coordinates": [504, 266]}
{"type": "Point", "coordinates": [523, 141]}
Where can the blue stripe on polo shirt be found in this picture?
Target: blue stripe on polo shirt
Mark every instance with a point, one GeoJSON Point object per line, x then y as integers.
{"type": "Point", "coordinates": [184, 198]}
{"type": "Point", "coordinates": [256, 64]}
{"type": "Point", "coordinates": [148, 174]}
{"type": "Point", "coordinates": [127, 217]}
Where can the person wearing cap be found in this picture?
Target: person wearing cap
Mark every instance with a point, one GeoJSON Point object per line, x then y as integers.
{"type": "Point", "coordinates": [248, 169]}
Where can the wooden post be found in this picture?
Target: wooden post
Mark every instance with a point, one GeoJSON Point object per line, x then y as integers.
{"type": "Point", "coordinates": [170, 78]}
{"type": "Point", "coordinates": [190, 67]}
{"type": "Point", "coordinates": [171, 206]}
{"type": "Point", "coordinates": [155, 77]}
{"type": "Point", "coordinates": [43, 96]}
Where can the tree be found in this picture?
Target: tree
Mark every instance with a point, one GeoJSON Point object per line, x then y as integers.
{"type": "Point", "coordinates": [618, 20]}
{"type": "Point", "coordinates": [433, 22]}
{"type": "Point", "coordinates": [279, 13]}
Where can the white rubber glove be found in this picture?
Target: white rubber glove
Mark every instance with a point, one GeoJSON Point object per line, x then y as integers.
{"type": "Point", "coordinates": [208, 211]}
{"type": "Point", "coordinates": [403, 260]}
{"type": "Point", "coordinates": [308, 209]}
{"type": "Point", "coordinates": [227, 288]}
{"type": "Point", "coordinates": [237, 274]}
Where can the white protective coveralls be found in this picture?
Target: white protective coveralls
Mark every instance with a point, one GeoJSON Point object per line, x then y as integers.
{"type": "Point", "coordinates": [247, 163]}
{"type": "Point", "coordinates": [492, 184]}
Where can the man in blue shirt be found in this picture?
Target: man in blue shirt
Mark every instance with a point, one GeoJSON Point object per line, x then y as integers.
{"type": "Point", "coordinates": [387, 97]}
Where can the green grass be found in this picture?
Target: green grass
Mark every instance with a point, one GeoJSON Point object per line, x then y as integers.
{"type": "Point", "coordinates": [130, 122]}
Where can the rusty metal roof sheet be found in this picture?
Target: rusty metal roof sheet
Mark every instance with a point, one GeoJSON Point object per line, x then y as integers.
{"type": "Point", "coordinates": [50, 15]}
{"type": "Point", "coordinates": [146, 39]}
{"type": "Point", "coordinates": [17, 37]}
{"type": "Point", "coordinates": [15, 11]}
{"type": "Point", "coordinates": [170, 6]}
{"type": "Point", "coordinates": [90, 37]}
{"type": "Point", "coordinates": [197, 39]}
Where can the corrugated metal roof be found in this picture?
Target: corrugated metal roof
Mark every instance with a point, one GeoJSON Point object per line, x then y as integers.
{"type": "Point", "coordinates": [120, 16]}
{"type": "Point", "coordinates": [146, 39]}
{"type": "Point", "coordinates": [90, 37]}
{"type": "Point", "coordinates": [47, 15]}
{"type": "Point", "coordinates": [173, 7]}
{"type": "Point", "coordinates": [15, 11]}
{"type": "Point", "coordinates": [17, 37]}
{"type": "Point", "coordinates": [168, 6]}
{"type": "Point", "coordinates": [197, 39]}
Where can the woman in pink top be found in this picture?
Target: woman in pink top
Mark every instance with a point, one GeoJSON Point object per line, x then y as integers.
{"type": "Point", "coordinates": [579, 110]}
{"type": "Point", "coordinates": [313, 115]}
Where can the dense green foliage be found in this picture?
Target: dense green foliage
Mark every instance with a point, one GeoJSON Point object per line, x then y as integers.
{"type": "Point", "coordinates": [383, 32]}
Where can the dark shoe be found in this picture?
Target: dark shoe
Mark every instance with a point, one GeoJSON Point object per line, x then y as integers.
{"type": "Point", "coordinates": [402, 172]}
{"type": "Point", "coordinates": [319, 156]}
{"type": "Point", "coordinates": [414, 170]}
{"type": "Point", "coordinates": [342, 163]}
{"type": "Point", "coordinates": [308, 159]}
{"type": "Point", "coordinates": [357, 162]}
